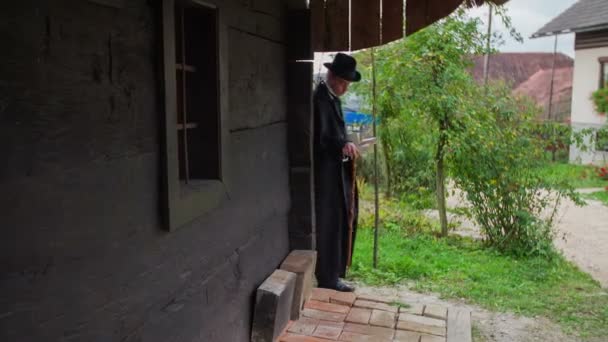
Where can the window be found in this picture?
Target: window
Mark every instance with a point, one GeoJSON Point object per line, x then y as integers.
{"type": "Point", "coordinates": [603, 71]}
{"type": "Point", "coordinates": [196, 93]}
{"type": "Point", "coordinates": [601, 140]}
{"type": "Point", "coordinates": [193, 149]}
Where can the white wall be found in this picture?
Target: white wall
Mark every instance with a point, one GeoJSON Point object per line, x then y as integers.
{"type": "Point", "coordinates": [587, 155]}
{"type": "Point", "coordinates": [586, 81]}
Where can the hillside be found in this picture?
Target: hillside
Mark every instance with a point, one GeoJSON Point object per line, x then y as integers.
{"type": "Point", "coordinates": [538, 88]}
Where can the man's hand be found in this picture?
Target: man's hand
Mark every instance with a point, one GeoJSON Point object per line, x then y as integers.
{"type": "Point", "coordinates": [350, 150]}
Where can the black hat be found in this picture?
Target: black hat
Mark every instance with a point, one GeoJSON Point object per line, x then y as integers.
{"type": "Point", "coordinates": [344, 66]}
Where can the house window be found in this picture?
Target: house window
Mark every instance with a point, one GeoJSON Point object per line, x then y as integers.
{"type": "Point", "coordinates": [196, 92]}
{"type": "Point", "coordinates": [601, 140]}
{"type": "Point", "coordinates": [193, 181]}
{"type": "Point", "coordinates": [603, 71]}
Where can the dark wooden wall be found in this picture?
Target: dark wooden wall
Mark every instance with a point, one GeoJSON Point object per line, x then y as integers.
{"type": "Point", "coordinates": [83, 255]}
{"type": "Point", "coordinates": [591, 40]}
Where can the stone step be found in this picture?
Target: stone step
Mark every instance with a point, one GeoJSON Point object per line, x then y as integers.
{"type": "Point", "coordinates": [377, 321]}
{"type": "Point", "coordinates": [302, 263]}
{"type": "Point", "coordinates": [272, 306]}
{"type": "Point", "coordinates": [459, 325]}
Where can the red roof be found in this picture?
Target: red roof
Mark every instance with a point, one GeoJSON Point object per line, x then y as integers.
{"type": "Point", "coordinates": [538, 88]}
{"type": "Point", "coordinates": [516, 68]}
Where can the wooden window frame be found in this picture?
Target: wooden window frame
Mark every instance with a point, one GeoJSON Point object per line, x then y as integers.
{"type": "Point", "coordinates": [603, 65]}
{"type": "Point", "coordinates": [183, 203]}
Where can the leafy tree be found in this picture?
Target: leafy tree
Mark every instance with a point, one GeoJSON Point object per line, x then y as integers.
{"type": "Point", "coordinates": [435, 117]}
{"type": "Point", "coordinates": [424, 82]}
{"type": "Point", "coordinates": [495, 159]}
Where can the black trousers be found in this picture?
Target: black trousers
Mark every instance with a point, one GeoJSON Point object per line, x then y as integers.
{"type": "Point", "coordinates": [332, 244]}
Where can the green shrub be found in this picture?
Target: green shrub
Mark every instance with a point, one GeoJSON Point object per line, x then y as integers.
{"type": "Point", "coordinates": [412, 176]}
{"type": "Point", "coordinates": [365, 168]}
{"type": "Point", "coordinates": [496, 161]}
{"type": "Point", "coordinates": [394, 215]}
{"type": "Point", "coordinates": [600, 99]}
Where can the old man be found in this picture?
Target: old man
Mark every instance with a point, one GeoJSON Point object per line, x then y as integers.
{"type": "Point", "coordinates": [336, 200]}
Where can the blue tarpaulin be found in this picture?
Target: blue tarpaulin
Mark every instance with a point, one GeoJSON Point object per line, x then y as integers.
{"type": "Point", "coordinates": [354, 118]}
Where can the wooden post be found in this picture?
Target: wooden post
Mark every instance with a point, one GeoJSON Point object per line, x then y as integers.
{"type": "Point", "coordinates": [486, 62]}
{"type": "Point", "coordinates": [552, 79]}
{"type": "Point", "coordinates": [376, 204]}
{"type": "Point", "coordinates": [550, 109]}
{"type": "Point", "coordinates": [302, 234]}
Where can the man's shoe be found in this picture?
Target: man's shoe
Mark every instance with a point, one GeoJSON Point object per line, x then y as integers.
{"type": "Point", "coordinates": [343, 287]}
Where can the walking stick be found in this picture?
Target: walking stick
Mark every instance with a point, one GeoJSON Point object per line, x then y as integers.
{"type": "Point", "coordinates": [351, 211]}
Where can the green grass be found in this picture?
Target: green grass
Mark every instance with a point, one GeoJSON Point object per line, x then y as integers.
{"type": "Point", "coordinates": [580, 176]}
{"type": "Point", "coordinates": [601, 196]}
{"type": "Point", "coordinates": [477, 335]}
{"type": "Point", "coordinates": [462, 268]}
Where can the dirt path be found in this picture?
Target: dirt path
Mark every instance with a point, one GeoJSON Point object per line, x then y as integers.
{"type": "Point", "coordinates": [583, 237]}
{"type": "Point", "coordinates": [487, 326]}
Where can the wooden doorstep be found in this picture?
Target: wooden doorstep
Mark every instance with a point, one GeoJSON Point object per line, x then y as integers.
{"type": "Point", "coordinates": [459, 325]}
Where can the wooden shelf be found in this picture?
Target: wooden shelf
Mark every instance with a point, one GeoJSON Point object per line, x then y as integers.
{"type": "Point", "coordinates": [188, 126]}
{"type": "Point", "coordinates": [188, 68]}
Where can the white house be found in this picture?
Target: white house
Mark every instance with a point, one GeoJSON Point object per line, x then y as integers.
{"type": "Point", "coordinates": [588, 20]}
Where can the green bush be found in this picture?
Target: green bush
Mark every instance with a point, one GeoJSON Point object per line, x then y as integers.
{"type": "Point", "coordinates": [411, 161]}
{"type": "Point", "coordinates": [496, 160]}
{"type": "Point", "coordinates": [436, 121]}
{"type": "Point", "coordinates": [600, 99]}
{"type": "Point", "coordinates": [556, 138]}
{"type": "Point", "coordinates": [365, 168]}
{"type": "Point", "coordinates": [412, 176]}
{"type": "Point", "coordinates": [395, 215]}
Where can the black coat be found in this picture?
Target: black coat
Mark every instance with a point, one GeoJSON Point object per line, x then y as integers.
{"type": "Point", "coordinates": [333, 180]}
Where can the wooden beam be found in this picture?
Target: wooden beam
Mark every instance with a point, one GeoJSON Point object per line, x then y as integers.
{"type": "Point", "coordinates": [422, 13]}
{"type": "Point", "coordinates": [336, 25]}
{"type": "Point", "coordinates": [298, 35]}
{"type": "Point", "coordinates": [317, 27]}
{"type": "Point", "coordinates": [392, 20]}
{"type": "Point", "coordinates": [171, 187]}
{"type": "Point", "coordinates": [110, 3]}
{"type": "Point", "coordinates": [296, 4]}
{"type": "Point", "coordinates": [299, 98]}
{"type": "Point", "coordinates": [330, 20]}
{"type": "Point", "coordinates": [365, 24]}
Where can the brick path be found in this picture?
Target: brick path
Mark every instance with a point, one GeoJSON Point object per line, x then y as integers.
{"type": "Point", "coordinates": [339, 316]}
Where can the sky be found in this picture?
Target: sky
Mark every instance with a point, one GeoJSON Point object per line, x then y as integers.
{"type": "Point", "coordinates": [528, 16]}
